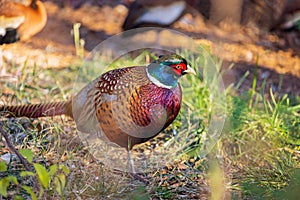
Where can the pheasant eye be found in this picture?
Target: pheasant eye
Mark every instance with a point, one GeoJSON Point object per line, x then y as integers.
{"type": "Point", "coordinates": [177, 66]}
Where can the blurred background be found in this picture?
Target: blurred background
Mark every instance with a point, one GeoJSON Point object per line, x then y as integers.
{"type": "Point", "coordinates": [236, 31]}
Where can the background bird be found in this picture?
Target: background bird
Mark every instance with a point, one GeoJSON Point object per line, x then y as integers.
{"type": "Point", "coordinates": [21, 19]}
{"type": "Point", "coordinates": [156, 13]}
{"type": "Point", "coordinates": [128, 106]}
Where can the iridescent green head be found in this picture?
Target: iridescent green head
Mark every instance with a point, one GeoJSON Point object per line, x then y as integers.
{"type": "Point", "coordinates": [167, 69]}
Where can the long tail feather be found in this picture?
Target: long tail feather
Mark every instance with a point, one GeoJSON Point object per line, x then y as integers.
{"type": "Point", "coordinates": [38, 110]}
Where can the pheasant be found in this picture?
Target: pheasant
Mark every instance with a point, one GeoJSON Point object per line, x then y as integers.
{"type": "Point", "coordinates": [21, 19]}
{"type": "Point", "coordinates": [128, 105]}
{"type": "Point", "coordinates": [156, 13]}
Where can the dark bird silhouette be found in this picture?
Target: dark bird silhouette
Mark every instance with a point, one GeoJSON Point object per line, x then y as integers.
{"type": "Point", "coordinates": [143, 13]}
{"type": "Point", "coordinates": [20, 20]}
{"type": "Point", "coordinates": [130, 105]}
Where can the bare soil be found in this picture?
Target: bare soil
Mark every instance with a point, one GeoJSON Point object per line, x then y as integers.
{"type": "Point", "coordinates": [246, 47]}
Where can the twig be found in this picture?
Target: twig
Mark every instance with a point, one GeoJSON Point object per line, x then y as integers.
{"type": "Point", "coordinates": [22, 159]}
{"type": "Point", "coordinates": [137, 176]}
{"type": "Point", "coordinates": [12, 148]}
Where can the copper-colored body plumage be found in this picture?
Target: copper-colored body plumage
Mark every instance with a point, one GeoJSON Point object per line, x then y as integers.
{"type": "Point", "coordinates": [136, 98]}
{"type": "Point", "coordinates": [24, 18]}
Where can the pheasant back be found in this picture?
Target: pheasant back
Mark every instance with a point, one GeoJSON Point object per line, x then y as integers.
{"type": "Point", "coordinates": [127, 107]}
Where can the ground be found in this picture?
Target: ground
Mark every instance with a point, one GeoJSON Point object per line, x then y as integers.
{"type": "Point", "coordinates": [54, 48]}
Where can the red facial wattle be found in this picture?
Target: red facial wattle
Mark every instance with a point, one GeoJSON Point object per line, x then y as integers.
{"type": "Point", "coordinates": [179, 68]}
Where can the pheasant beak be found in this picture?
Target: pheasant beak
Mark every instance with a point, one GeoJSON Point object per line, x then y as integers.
{"type": "Point", "coordinates": [189, 70]}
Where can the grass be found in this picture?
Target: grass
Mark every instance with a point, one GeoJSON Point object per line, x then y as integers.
{"type": "Point", "coordinates": [264, 140]}
{"type": "Point", "coordinates": [257, 156]}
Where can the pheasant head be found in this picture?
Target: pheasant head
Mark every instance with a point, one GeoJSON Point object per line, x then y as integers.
{"type": "Point", "coordinates": [165, 71]}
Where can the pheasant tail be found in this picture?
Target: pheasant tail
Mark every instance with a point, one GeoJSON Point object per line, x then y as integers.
{"type": "Point", "coordinates": [38, 110]}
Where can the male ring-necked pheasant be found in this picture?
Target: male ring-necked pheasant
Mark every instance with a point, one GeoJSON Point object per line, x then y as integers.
{"type": "Point", "coordinates": [130, 105]}
{"type": "Point", "coordinates": [21, 19]}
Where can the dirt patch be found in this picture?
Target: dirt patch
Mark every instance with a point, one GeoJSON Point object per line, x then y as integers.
{"type": "Point", "coordinates": [246, 47]}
